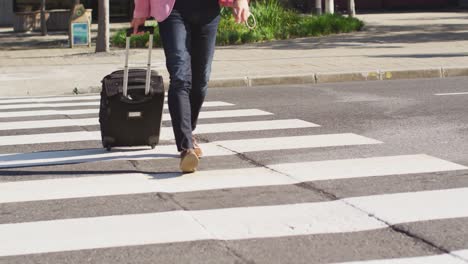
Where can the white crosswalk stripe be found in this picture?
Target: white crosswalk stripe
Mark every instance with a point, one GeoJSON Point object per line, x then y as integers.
{"type": "Point", "coordinates": [49, 99]}
{"type": "Point", "coordinates": [238, 223]}
{"type": "Point", "coordinates": [368, 167]}
{"type": "Point", "coordinates": [217, 148]}
{"type": "Point", "coordinates": [293, 218]}
{"type": "Point", "coordinates": [94, 121]}
{"type": "Point", "coordinates": [207, 180]}
{"type": "Point", "coordinates": [80, 104]}
{"type": "Point", "coordinates": [49, 113]}
{"type": "Point", "coordinates": [166, 132]}
{"type": "Point", "coordinates": [412, 207]}
{"type": "Point", "coordinates": [437, 259]}
{"type": "Point", "coordinates": [49, 105]}
{"type": "Point", "coordinates": [43, 99]}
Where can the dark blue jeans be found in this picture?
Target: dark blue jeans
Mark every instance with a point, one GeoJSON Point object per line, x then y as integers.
{"type": "Point", "coordinates": [188, 36]}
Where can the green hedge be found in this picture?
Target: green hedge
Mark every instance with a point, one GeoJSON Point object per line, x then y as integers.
{"type": "Point", "coordinates": [273, 22]}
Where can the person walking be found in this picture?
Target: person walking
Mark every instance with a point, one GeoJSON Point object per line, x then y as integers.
{"type": "Point", "coordinates": [188, 35]}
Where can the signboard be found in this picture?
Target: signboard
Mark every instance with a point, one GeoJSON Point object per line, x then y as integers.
{"type": "Point", "coordinates": [80, 34]}
{"type": "Point", "coordinates": [80, 26]}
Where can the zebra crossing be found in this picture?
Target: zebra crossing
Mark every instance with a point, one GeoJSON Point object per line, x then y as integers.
{"type": "Point", "coordinates": [249, 210]}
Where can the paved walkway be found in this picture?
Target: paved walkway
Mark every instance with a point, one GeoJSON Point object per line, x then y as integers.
{"type": "Point", "coordinates": [389, 42]}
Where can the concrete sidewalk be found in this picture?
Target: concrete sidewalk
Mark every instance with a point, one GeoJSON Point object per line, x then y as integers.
{"type": "Point", "coordinates": [392, 46]}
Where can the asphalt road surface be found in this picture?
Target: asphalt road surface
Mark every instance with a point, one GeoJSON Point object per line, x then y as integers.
{"type": "Point", "coordinates": [373, 172]}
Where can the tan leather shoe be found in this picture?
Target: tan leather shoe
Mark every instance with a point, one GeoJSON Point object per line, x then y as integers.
{"type": "Point", "coordinates": [188, 161]}
{"type": "Point", "coordinates": [196, 147]}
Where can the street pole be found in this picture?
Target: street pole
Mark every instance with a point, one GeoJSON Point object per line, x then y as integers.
{"type": "Point", "coordinates": [102, 43]}
{"type": "Point", "coordinates": [351, 8]}
{"type": "Point", "coordinates": [329, 6]}
{"type": "Point", "coordinates": [318, 7]}
{"type": "Point", "coordinates": [43, 18]}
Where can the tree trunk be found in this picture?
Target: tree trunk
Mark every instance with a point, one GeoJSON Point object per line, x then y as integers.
{"type": "Point", "coordinates": [318, 7]}
{"type": "Point", "coordinates": [351, 8]}
{"type": "Point", "coordinates": [329, 6]}
{"type": "Point", "coordinates": [43, 18]}
{"type": "Point", "coordinates": [102, 43]}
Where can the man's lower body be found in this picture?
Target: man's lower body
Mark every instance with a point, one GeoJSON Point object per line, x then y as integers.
{"type": "Point", "coordinates": [188, 39]}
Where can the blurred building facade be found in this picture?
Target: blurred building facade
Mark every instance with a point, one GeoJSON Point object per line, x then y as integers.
{"type": "Point", "coordinates": [122, 9]}
{"type": "Point", "coordinates": [119, 9]}
{"type": "Point", "coordinates": [380, 5]}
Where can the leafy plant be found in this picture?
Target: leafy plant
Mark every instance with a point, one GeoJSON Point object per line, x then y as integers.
{"type": "Point", "coordinates": [273, 22]}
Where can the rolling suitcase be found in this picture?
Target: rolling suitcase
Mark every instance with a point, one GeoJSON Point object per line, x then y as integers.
{"type": "Point", "coordinates": [132, 103]}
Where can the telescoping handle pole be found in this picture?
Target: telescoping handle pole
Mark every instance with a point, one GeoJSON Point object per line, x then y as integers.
{"type": "Point", "coordinates": [127, 52]}
{"type": "Point", "coordinates": [148, 69]}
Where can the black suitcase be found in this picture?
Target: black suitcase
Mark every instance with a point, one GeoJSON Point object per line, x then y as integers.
{"type": "Point", "coordinates": [132, 103]}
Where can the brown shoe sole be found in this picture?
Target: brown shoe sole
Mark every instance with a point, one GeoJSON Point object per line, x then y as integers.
{"type": "Point", "coordinates": [189, 162]}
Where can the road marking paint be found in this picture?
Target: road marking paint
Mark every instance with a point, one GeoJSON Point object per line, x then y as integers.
{"type": "Point", "coordinates": [48, 113]}
{"type": "Point", "coordinates": [136, 153]}
{"type": "Point", "coordinates": [238, 223]}
{"type": "Point", "coordinates": [48, 123]}
{"type": "Point", "coordinates": [253, 126]}
{"type": "Point", "coordinates": [179, 226]}
{"type": "Point", "coordinates": [71, 112]}
{"type": "Point", "coordinates": [45, 99]}
{"type": "Point", "coordinates": [232, 113]}
{"type": "Point", "coordinates": [88, 233]}
{"type": "Point", "coordinates": [49, 138]}
{"type": "Point", "coordinates": [48, 99]}
{"type": "Point", "coordinates": [415, 206]}
{"type": "Point", "coordinates": [137, 183]}
{"type": "Point", "coordinates": [436, 259]}
{"type": "Point", "coordinates": [282, 143]}
{"type": "Point", "coordinates": [166, 132]}
{"type": "Point", "coordinates": [95, 120]}
{"type": "Point", "coordinates": [365, 167]}
{"type": "Point", "coordinates": [119, 184]}
{"type": "Point", "coordinates": [284, 220]}
{"type": "Point", "coordinates": [93, 155]}
{"type": "Point", "coordinates": [57, 105]}
{"type": "Point", "coordinates": [43, 105]}
{"type": "Point", "coordinates": [442, 94]}
{"type": "Point", "coordinates": [462, 254]}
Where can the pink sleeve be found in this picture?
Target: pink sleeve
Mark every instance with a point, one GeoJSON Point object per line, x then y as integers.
{"type": "Point", "coordinates": [142, 9]}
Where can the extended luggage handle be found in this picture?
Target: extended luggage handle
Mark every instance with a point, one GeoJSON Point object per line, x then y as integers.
{"type": "Point", "coordinates": [127, 52]}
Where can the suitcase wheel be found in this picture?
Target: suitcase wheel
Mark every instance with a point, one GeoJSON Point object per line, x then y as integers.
{"type": "Point", "coordinates": [107, 143]}
{"type": "Point", "coordinates": [153, 146]}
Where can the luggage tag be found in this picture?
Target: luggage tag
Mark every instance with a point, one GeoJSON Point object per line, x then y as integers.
{"type": "Point", "coordinates": [135, 115]}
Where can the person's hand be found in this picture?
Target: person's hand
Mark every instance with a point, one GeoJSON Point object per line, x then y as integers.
{"type": "Point", "coordinates": [136, 22]}
{"type": "Point", "coordinates": [241, 10]}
